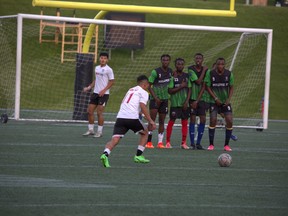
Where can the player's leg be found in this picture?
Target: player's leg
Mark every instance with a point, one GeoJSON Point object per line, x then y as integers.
{"type": "Point", "coordinates": [229, 126]}
{"type": "Point", "coordinates": [184, 124]}
{"type": "Point", "coordinates": [170, 126]}
{"type": "Point", "coordinates": [201, 128]}
{"type": "Point", "coordinates": [102, 102]}
{"type": "Point", "coordinates": [90, 110]}
{"type": "Point", "coordinates": [161, 121]}
{"type": "Point", "coordinates": [192, 130]}
{"type": "Point", "coordinates": [201, 111]}
{"type": "Point", "coordinates": [212, 126]}
{"type": "Point", "coordinates": [233, 137]}
{"type": "Point", "coordinates": [142, 130]}
{"type": "Point", "coordinates": [100, 117]}
{"type": "Point", "coordinates": [153, 114]}
{"type": "Point", "coordinates": [119, 131]}
{"type": "Point", "coordinates": [163, 110]}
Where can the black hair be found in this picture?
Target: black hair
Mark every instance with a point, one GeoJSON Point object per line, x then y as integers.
{"type": "Point", "coordinates": [104, 54]}
{"type": "Point", "coordinates": [179, 59]}
{"type": "Point", "coordinates": [220, 59]}
{"type": "Point", "coordinates": [165, 55]}
{"type": "Point", "coordinates": [141, 78]}
{"type": "Point", "coordinates": [199, 54]}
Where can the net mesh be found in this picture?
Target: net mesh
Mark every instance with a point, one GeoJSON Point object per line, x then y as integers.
{"type": "Point", "coordinates": [48, 86]}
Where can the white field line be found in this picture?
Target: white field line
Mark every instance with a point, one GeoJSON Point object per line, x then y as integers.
{"type": "Point", "coordinates": [143, 205]}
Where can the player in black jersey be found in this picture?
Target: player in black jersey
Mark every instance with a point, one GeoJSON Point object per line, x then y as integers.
{"type": "Point", "coordinates": [159, 80]}
{"type": "Point", "coordinates": [219, 83]}
{"type": "Point", "coordinates": [198, 101]}
{"type": "Point", "coordinates": [179, 89]}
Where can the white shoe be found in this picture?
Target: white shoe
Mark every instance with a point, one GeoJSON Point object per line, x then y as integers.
{"type": "Point", "coordinates": [98, 134]}
{"type": "Point", "coordinates": [89, 132]}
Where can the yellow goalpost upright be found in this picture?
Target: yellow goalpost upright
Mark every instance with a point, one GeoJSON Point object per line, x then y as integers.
{"type": "Point", "coordinates": [105, 8]}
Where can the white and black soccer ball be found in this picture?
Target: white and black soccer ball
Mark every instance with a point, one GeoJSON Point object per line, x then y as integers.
{"type": "Point", "coordinates": [224, 160]}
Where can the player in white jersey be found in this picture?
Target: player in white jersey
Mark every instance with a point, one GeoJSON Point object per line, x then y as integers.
{"type": "Point", "coordinates": [104, 79]}
{"type": "Point", "coordinates": [132, 104]}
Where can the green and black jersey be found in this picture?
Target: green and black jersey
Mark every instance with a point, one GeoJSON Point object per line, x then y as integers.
{"type": "Point", "coordinates": [160, 80]}
{"type": "Point", "coordinates": [220, 84]}
{"type": "Point", "coordinates": [178, 99]}
{"type": "Point", "coordinates": [196, 88]}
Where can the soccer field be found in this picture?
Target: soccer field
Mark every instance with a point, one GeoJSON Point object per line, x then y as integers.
{"type": "Point", "coordinates": [50, 169]}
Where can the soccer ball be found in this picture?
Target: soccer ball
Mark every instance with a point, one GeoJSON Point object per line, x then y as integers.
{"type": "Point", "coordinates": [224, 160]}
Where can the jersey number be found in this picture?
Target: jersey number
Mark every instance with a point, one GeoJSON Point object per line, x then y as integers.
{"type": "Point", "coordinates": [129, 98]}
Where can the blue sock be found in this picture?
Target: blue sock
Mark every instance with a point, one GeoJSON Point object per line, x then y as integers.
{"type": "Point", "coordinates": [192, 132]}
{"type": "Point", "coordinates": [201, 128]}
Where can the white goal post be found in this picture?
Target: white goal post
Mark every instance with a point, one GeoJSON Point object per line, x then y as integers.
{"type": "Point", "coordinates": [45, 87]}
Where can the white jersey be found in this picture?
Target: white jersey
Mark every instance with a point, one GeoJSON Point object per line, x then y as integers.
{"type": "Point", "coordinates": [102, 77]}
{"type": "Point", "coordinates": [130, 106]}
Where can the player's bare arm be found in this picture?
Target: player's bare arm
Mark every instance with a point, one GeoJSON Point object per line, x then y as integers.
{"type": "Point", "coordinates": [186, 103]}
{"type": "Point", "coordinates": [217, 101]}
{"type": "Point", "coordinates": [200, 79]}
{"type": "Point", "coordinates": [158, 101]}
{"type": "Point", "coordinates": [145, 111]}
{"type": "Point", "coordinates": [231, 90]}
{"type": "Point", "coordinates": [89, 87]}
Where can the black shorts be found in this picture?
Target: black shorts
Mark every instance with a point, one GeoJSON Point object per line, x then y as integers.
{"type": "Point", "coordinates": [95, 99]}
{"type": "Point", "coordinates": [201, 108]}
{"type": "Point", "coordinates": [122, 126]}
{"type": "Point", "coordinates": [163, 108]}
{"type": "Point", "coordinates": [214, 109]}
{"type": "Point", "coordinates": [179, 113]}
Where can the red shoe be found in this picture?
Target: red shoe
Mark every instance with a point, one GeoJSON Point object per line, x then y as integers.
{"type": "Point", "coordinates": [210, 148]}
{"type": "Point", "coordinates": [160, 145]}
{"type": "Point", "coordinates": [168, 145]}
{"type": "Point", "coordinates": [149, 145]}
{"type": "Point", "coordinates": [227, 148]}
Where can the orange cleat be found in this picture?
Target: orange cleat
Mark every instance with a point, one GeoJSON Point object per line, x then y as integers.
{"type": "Point", "coordinates": [149, 145]}
{"type": "Point", "coordinates": [160, 145]}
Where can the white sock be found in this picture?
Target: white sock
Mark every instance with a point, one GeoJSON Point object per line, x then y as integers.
{"type": "Point", "coordinates": [160, 137]}
{"type": "Point", "coordinates": [141, 148]}
{"type": "Point", "coordinates": [91, 127]}
{"type": "Point", "coordinates": [107, 150]}
{"type": "Point", "coordinates": [100, 129]}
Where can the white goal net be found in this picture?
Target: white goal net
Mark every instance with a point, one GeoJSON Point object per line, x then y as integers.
{"type": "Point", "coordinates": [36, 85]}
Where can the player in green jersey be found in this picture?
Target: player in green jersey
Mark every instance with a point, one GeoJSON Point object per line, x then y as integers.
{"type": "Point", "coordinates": [159, 80]}
{"type": "Point", "coordinates": [179, 89]}
{"type": "Point", "coordinates": [219, 83]}
{"type": "Point", "coordinates": [198, 99]}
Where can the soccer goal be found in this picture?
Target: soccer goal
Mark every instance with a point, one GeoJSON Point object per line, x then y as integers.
{"type": "Point", "coordinates": [35, 85]}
